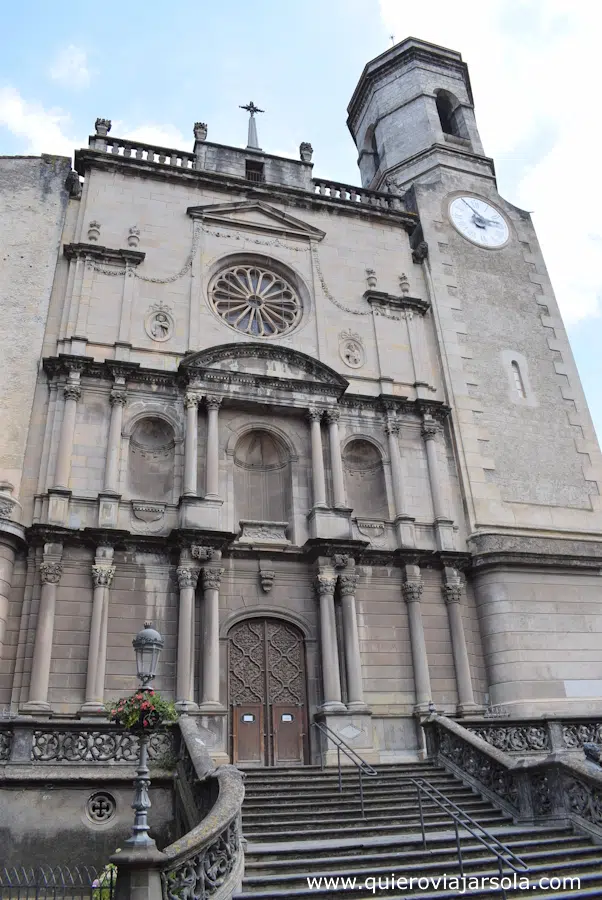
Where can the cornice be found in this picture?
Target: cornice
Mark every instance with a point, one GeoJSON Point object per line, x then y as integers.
{"type": "Point", "coordinates": [396, 302]}
{"type": "Point", "coordinates": [105, 254]}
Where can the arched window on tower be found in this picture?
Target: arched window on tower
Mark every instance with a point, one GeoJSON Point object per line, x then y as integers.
{"type": "Point", "coordinates": [365, 479]}
{"type": "Point", "coordinates": [371, 151]}
{"type": "Point", "coordinates": [451, 116]}
{"type": "Point", "coordinates": [262, 478]}
{"type": "Point", "coordinates": [519, 384]}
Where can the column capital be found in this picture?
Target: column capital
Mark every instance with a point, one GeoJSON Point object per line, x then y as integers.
{"type": "Point", "coordinates": [348, 583]}
{"type": "Point", "coordinates": [50, 572]}
{"type": "Point", "coordinates": [118, 397]}
{"type": "Point", "coordinates": [314, 414]}
{"type": "Point", "coordinates": [213, 402]}
{"type": "Point", "coordinates": [332, 416]}
{"type": "Point", "coordinates": [187, 576]}
{"type": "Point", "coordinates": [453, 592]}
{"type": "Point", "coordinates": [102, 576]}
{"type": "Point", "coordinates": [431, 429]}
{"type": "Point", "coordinates": [412, 591]}
{"type": "Point", "coordinates": [325, 584]}
{"type": "Point", "coordinates": [212, 578]}
{"type": "Point", "coordinates": [198, 551]}
{"type": "Point", "coordinates": [72, 392]}
{"type": "Point", "coordinates": [392, 427]}
{"type": "Point", "coordinates": [191, 400]}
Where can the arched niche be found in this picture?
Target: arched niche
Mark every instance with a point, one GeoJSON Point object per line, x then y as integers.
{"type": "Point", "coordinates": [151, 460]}
{"type": "Point", "coordinates": [262, 477]}
{"type": "Point", "coordinates": [365, 479]}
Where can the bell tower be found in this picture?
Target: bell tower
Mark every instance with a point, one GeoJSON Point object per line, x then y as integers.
{"type": "Point", "coordinates": [412, 110]}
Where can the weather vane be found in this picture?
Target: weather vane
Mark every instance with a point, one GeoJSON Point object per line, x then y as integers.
{"type": "Point", "coordinates": [392, 39]}
{"type": "Point", "coordinates": [252, 143]}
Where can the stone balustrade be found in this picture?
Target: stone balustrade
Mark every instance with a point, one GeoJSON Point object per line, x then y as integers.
{"type": "Point", "coordinates": [530, 736]}
{"type": "Point", "coordinates": [352, 194]}
{"type": "Point", "coordinates": [555, 789]}
{"type": "Point", "coordinates": [129, 149]}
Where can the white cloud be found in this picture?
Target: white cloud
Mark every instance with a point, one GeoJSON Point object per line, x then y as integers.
{"type": "Point", "coordinates": [41, 130]}
{"type": "Point", "coordinates": [159, 135]}
{"type": "Point", "coordinates": [533, 66]}
{"type": "Point", "coordinates": [70, 68]}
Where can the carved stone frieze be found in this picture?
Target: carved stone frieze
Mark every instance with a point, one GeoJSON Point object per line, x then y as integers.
{"type": "Point", "coordinates": [263, 532]}
{"type": "Point", "coordinates": [82, 746]}
{"type": "Point", "coordinates": [484, 770]}
{"type": "Point", "coordinates": [515, 738]}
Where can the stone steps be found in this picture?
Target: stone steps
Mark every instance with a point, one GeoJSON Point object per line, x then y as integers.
{"type": "Point", "coordinates": [297, 824]}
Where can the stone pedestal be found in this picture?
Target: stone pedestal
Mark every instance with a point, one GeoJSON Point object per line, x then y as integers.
{"type": "Point", "coordinates": [355, 728]}
{"type": "Point", "coordinates": [138, 873]}
{"type": "Point", "coordinates": [330, 524]}
{"type": "Point", "coordinates": [196, 512]}
{"type": "Point", "coordinates": [212, 728]}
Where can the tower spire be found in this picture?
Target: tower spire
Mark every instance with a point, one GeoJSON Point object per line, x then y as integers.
{"type": "Point", "coordinates": [252, 142]}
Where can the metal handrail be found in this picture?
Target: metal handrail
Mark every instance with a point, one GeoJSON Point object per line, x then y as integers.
{"type": "Point", "coordinates": [503, 853]}
{"type": "Point", "coordinates": [363, 768]}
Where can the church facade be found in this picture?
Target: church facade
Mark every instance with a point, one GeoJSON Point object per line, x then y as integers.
{"type": "Point", "coordinates": [330, 440]}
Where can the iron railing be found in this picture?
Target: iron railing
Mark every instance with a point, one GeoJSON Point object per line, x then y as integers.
{"type": "Point", "coordinates": [58, 883]}
{"type": "Point", "coordinates": [363, 768]}
{"type": "Point", "coordinates": [501, 852]}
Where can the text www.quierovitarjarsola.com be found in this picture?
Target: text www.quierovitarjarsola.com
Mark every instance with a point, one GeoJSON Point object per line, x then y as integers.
{"type": "Point", "coordinates": [460, 884]}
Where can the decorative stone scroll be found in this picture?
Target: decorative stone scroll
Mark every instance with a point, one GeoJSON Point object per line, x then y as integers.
{"type": "Point", "coordinates": [584, 800]}
{"type": "Point", "coordinates": [202, 874]}
{"type": "Point", "coordinates": [6, 740]}
{"type": "Point", "coordinates": [65, 747]}
{"type": "Point", "coordinates": [515, 738]}
{"type": "Point", "coordinates": [480, 767]}
{"type": "Point", "coordinates": [575, 736]}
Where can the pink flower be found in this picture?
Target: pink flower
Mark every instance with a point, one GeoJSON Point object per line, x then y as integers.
{"type": "Point", "coordinates": [145, 723]}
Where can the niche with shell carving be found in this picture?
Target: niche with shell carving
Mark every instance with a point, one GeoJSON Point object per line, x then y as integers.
{"type": "Point", "coordinates": [262, 478]}
{"type": "Point", "coordinates": [365, 480]}
{"type": "Point", "coordinates": [151, 460]}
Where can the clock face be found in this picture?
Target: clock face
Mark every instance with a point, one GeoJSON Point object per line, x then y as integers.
{"type": "Point", "coordinates": [479, 221]}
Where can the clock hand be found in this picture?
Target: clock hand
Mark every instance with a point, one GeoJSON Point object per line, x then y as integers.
{"type": "Point", "coordinates": [471, 208]}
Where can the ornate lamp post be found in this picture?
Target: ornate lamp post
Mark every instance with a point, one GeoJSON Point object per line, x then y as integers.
{"type": "Point", "coordinates": [147, 644]}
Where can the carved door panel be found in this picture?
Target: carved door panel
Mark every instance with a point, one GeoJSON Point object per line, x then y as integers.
{"type": "Point", "coordinates": [267, 672]}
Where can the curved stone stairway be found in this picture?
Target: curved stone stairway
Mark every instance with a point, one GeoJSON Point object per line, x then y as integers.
{"type": "Point", "coordinates": [298, 825]}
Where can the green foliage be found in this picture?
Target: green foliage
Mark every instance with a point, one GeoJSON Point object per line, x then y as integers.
{"type": "Point", "coordinates": [102, 887]}
{"type": "Point", "coordinates": [142, 712]}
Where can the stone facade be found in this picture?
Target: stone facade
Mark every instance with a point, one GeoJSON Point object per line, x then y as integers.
{"type": "Point", "coordinates": [337, 452]}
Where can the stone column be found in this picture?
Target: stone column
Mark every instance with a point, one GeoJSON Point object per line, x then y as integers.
{"type": "Point", "coordinates": [187, 579]}
{"type": "Point", "coordinates": [212, 468]}
{"type": "Point", "coordinates": [72, 393]}
{"type": "Point", "coordinates": [431, 430]}
{"type": "Point", "coordinates": [412, 592]}
{"type": "Point", "coordinates": [404, 523]}
{"type": "Point", "coordinates": [117, 399]}
{"type": "Point", "coordinates": [353, 662]}
{"type": "Point", "coordinates": [317, 458]}
{"type": "Point", "coordinates": [331, 678]}
{"type": "Point", "coordinates": [336, 463]}
{"type": "Point", "coordinates": [50, 576]}
{"type": "Point", "coordinates": [102, 576]}
{"type": "Point", "coordinates": [212, 576]}
{"type": "Point", "coordinates": [452, 591]}
{"type": "Point", "coordinates": [7, 561]}
{"type": "Point", "coordinates": [191, 402]}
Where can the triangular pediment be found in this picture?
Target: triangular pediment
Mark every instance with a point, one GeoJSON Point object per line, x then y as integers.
{"type": "Point", "coordinates": [257, 216]}
{"type": "Point", "coordinates": [264, 360]}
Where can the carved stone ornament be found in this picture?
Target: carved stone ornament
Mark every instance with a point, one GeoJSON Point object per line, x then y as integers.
{"type": "Point", "coordinates": [348, 584]}
{"type": "Point", "coordinates": [420, 252]}
{"type": "Point", "coordinates": [267, 577]}
{"type": "Point", "coordinates": [50, 573]}
{"type": "Point", "coordinates": [118, 397]}
{"type": "Point", "coordinates": [72, 392]}
{"type": "Point", "coordinates": [200, 131]}
{"type": "Point", "coordinates": [203, 873]}
{"type": "Point", "coordinates": [197, 551]}
{"type": "Point", "coordinates": [430, 429]}
{"type": "Point", "coordinates": [305, 151]}
{"type": "Point", "coordinates": [452, 593]}
{"type": "Point", "coordinates": [592, 752]}
{"type": "Point", "coordinates": [102, 576]}
{"type": "Point", "coordinates": [392, 427]}
{"type": "Point", "coordinates": [79, 746]}
{"type": "Point", "coordinates": [191, 400]}
{"type": "Point", "coordinates": [412, 591]}
{"type": "Point", "coordinates": [484, 770]}
{"type": "Point", "coordinates": [212, 578]}
{"type": "Point", "coordinates": [325, 584]}
{"type": "Point", "coordinates": [332, 415]}
{"type": "Point", "coordinates": [515, 738]}
{"type": "Point", "coordinates": [133, 236]}
{"type": "Point", "coordinates": [314, 415]}
{"type": "Point", "coordinates": [351, 349]}
{"type": "Point", "coordinates": [374, 531]}
{"type": "Point", "coordinates": [94, 231]}
{"type": "Point", "coordinates": [159, 322]}
{"type": "Point", "coordinates": [7, 502]}
{"type": "Point", "coordinates": [404, 285]}
{"type": "Point", "coordinates": [102, 126]}
{"type": "Point", "coordinates": [263, 532]}
{"type": "Point", "coordinates": [148, 512]}
{"type": "Point", "coordinates": [340, 560]}
{"type": "Point", "coordinates": [187, 576]}
{"type": "Point", "coordinates": [212, 402]}
{"type": "Point", "coordinates": [371, 279]}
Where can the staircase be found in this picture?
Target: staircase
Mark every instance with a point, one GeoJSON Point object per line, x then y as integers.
{"type": "Point", "coordinates": [298, 825]}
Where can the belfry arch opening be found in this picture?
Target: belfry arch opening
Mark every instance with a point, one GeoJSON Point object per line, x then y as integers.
{"type": "Point", "coordinates": [451, 116]}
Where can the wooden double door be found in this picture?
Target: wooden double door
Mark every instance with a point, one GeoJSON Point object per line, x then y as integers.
{"type": "Point", "coordinates": [268, 693]}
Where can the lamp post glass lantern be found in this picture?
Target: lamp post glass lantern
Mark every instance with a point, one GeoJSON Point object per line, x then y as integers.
{"type": "Point", "coordinates": [148, 644]}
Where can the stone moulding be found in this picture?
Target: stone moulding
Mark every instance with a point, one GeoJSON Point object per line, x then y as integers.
{"type": "Point", "coordinates": [258, 532]}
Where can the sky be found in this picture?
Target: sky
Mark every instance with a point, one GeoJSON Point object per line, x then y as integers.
{"type": "Point", "coordinates": [156, 68]}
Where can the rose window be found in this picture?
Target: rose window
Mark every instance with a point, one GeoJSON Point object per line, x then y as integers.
{"type": "Point", "coordinates": [255, 301]}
